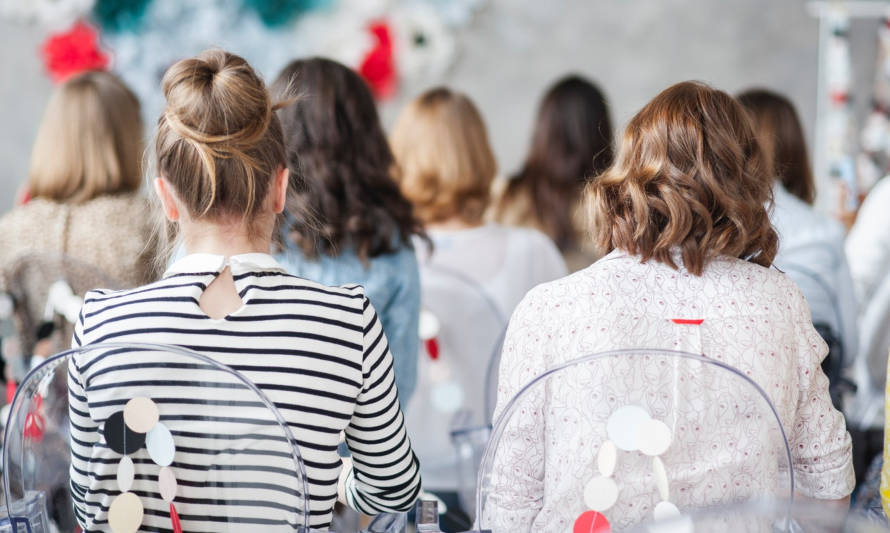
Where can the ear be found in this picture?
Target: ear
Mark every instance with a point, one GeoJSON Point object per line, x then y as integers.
{"type": "Point", "coordinates": [282, 177]}
{"type": "Point", "coordinates": [168, 200]}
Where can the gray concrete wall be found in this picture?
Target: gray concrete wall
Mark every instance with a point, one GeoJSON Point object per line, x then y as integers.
{"type": "Point", "coordinates": [515, 48]}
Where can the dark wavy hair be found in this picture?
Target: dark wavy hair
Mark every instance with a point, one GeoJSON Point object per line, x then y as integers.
{"type": "Point", "coordinates": [342, 192]}
{"type": "Point", "coordinates": [572, 142]}
{"type": "Point", "coordinates": [689, 176]}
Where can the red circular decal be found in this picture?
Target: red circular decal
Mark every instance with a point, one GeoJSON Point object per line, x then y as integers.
{"type": "Point", "coordinates": [591, 522]}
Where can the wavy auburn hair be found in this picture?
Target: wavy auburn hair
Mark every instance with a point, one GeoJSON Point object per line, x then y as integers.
{"type": "Point", "coordinates": [689, 176]}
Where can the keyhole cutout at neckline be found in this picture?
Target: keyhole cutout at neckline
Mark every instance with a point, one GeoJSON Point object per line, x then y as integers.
{"type": "Point", "coordinates": [220, 298]}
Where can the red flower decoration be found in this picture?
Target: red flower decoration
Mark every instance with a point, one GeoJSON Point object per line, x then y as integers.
{"type": "Point", "coordinates": [69, 53]}
{"type": "Point", "coordinates": [379, 67]}
{"type": "Point", "coordinates": [34, 421]}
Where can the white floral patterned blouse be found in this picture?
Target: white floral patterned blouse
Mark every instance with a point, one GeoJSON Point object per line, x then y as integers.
{"type": "Point", "coordinates": [753, 319]}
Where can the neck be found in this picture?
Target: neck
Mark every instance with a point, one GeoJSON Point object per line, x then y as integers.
{"type": "Point", "coordinates": [223, 239]}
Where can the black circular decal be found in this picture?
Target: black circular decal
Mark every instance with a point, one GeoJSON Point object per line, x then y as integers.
{"type": "Point", "coordinates": [117, 433]}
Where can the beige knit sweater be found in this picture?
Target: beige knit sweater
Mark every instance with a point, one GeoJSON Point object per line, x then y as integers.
{"type": "Point", "coordinates": [112, 233]}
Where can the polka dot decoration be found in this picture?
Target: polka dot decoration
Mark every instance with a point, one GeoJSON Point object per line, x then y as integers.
{"type": "Point", "coordinates": [159, 442]}
{"type": "Point", "coordinates": [125, 513]}
{"type": "Point", "coordinates": [629, 428]}
{"type": "Point", "coordinates": [654, 437]}
{"type": "Point", "coordinates": [591, 522]}
{"type": "Point", "coordinates": [167, 484]}
{"type": "Point", "coordinates": [127, 431]}
{"type": "Point", "coordinates": [607, 458]}
{"type": "Point", "coordinates": [126, 472]}
{"type": "Point", "coordinates": [624, 426]}
{"type": "Point", "coordinates": [119, 437]}
{"type": "Point", "coordinates": [141, 414]}
{"type": "Point", "coordinates": [600, 493]}
{"type": "Point", "coordinates": [447, 396]}
{"type": "Point", "coordinates": [671, 520]}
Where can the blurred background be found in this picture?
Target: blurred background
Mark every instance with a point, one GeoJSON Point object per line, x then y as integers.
{"type": "Point", "coordinates": [504, 53]}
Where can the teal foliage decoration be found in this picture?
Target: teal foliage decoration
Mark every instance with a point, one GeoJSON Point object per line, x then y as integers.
{"type": "Point", "coordinates": [120, 15]}
{"type": "Point", "coordinates": [276, 13]}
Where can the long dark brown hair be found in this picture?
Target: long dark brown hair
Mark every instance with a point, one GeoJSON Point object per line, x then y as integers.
{"type": "Point", "coordinates": [690, 177]}
{"type": "Point", "coordinates": [342, 190]}
{"type": "Point", "coordinates": [777, 126]}
{"type": "Point", "coordinates": [572, 142]}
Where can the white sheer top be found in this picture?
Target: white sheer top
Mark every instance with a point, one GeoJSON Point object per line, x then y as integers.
{"type": "Point", "coordinates": [754, 319]}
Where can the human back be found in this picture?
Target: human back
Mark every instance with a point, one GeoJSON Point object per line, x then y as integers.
{"type": "Point", "coordinates": [472, 275]}
{"type": "Point", "coordinates": [346, 221]}
{"type": "Point", "coordinates": [811, 244]}
{"type": "Point", "coordinates": [82, 197]}
{"type": "Point", "coordinates": [318, 352]}
{"type": "Point", "coordinates": [683, 211]}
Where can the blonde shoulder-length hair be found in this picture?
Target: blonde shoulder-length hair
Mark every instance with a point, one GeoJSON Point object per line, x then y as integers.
{"type": "Point", "coordinates": [89, 142]}
{"type": "Point", "coordinates": [445, 163]}
{"type": "Point", "coordinates": [689, 177]}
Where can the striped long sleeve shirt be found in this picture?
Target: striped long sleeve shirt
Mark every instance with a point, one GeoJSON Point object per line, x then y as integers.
{"type": "Point", "coordinates": [319, 353]}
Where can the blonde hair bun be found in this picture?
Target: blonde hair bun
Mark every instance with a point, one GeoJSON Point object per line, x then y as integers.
{"type": "Point", "coordinates": [216, 98]}
{"type": "Point", "coordinates": [219, 141]}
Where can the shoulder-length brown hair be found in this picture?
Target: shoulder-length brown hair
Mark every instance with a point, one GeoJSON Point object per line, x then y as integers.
{"type": "Point", "coordinates": [445, 162]}
{"type": "Point", "coordinates": [572, 142]}
{"type": "Point", "coordinates": [778, 128]}
{"type": "Point", "coordinates": [689, 177]}
{"type": "Point", "coordinates": [89, 142]}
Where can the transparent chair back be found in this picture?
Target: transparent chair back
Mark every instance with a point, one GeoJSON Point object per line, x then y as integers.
{"type": "Point", "coordinates": [814, 267]}
{"type": "Point", "coordinates": [447, 417]}
{"type": "Point", "coordinates": [870, 366]}
{"type": "Point", "coordinates": [762, 516]}
{"type": "Point", "coordinates": [38, 327]}
{"type": "Point", "coordinates": [155, 444]}
{"type": "Point", "coordinates": [622, 437]}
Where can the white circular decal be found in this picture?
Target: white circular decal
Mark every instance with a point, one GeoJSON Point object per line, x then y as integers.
{"type": "Point", "coordinates": [623, 427]}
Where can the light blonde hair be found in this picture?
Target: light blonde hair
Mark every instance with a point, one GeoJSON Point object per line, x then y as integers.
{"type": "Point", "coordinates": [219, 142]}
{"type": "Point", "coordinates": [89, 142]}
{"type": "Point", "coordinates": [445, 163]}
{"type": "Point", "coordinates": [690, 177]}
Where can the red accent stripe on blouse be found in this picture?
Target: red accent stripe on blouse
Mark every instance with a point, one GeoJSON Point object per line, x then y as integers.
{"type": "Point", "coordinates": [688, 321]}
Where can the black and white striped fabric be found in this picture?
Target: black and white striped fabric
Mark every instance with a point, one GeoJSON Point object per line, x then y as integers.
{"type": "Point", "coordinates": [320, 355]}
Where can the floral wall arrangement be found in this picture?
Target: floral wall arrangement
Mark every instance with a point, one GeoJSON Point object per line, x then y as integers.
{"type": "Point", "coordinates": [387, 41]}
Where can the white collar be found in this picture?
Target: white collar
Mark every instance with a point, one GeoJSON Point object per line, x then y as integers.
{"type": "Point", "coordinates": [252, 262]}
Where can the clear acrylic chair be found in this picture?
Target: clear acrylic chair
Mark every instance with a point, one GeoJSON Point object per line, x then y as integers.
{"type": "Point", "coordinates": [766, 517]}
{"type": "Point", "coordinates": [870, 366]}
{"type": "Point", "coordinates": [447, 417]}
{"type": "Point", "coordinates": [626, 436]}
{"type": "Point", "coordinates": [469, 437]}
{"type": "Point", "coordinates": [816, 268]}
{"type": "Point", "coordinates": [37, 327]}
{"type": "Point", "coordinates": [257, 480]}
